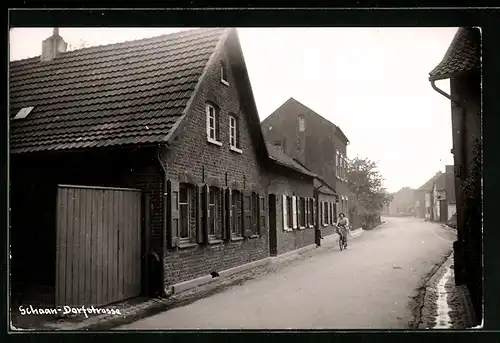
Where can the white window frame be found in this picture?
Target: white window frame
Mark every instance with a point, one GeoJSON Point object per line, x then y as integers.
{"type": "Point", "coordinates": [214, 128]}
{"type": "Point", "coordinates": [188, 206]}
{"type": "Point", "coordinates": [285, 213]}
{"type": "Point", "coordinates": [294, 212]}
{"type": "Point", "coordinates": [232, 118]}
{"type": "Point", "coordinates": [223, 74]}
{"type": "Point", "coordinates": [337, 163]}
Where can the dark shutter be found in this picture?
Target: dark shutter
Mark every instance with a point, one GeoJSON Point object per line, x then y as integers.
{"type": "Point", "coordinates": [226, 218]}
{"type": "Point", "coordinates": [172, 218]}
{"type": "Point", "coordinates": [206, 210]}
{"type": "Point", "coordinates": [200, 227]}
{"type": "Point", "coordinates": [247, 213]}
{"type": "Point", "coordinates": [299, 212]}
{"type": "Point", "coordinates": [262, 225]}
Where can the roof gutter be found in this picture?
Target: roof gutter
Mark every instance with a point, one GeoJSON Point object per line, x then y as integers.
{"type": "Point", "coordinates": [443, 93]}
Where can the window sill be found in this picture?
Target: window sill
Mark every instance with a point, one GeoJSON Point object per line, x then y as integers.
{"type": "Point", "coordinates": [187, 245]}
{"type": "Point", "coordinates": [224, 82]}
{"type": "Point", "coordinates": [253, 236]}
{"type": "Point", "coordinates": [239, 151]}
{"type": "Point", "coordinates": [287, 229]}
{"type": "Point", "coordinates": [311, 226]}
{"type": "Point", "coordinates": [214, 241]}
{"type": "Point", "coordinates": [302, 227]}
{"type": "Point", "coordinates": [325, 224]}
{"type": "Point", "coordinates": [237, 239]}
{"type": "Point", "coordinates": [213, 141]}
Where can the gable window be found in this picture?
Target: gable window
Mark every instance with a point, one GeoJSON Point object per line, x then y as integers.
{"type": "Point", "coordinates": [214, 229]}
{"type": "Point", "coordinates": [234, 134]}
{"type": "Point", "coordinates": [213, 126]}
{"type": "Point", "coordinates": [302, 124]}
{"type": "Point", "coordinates": [223, 74]}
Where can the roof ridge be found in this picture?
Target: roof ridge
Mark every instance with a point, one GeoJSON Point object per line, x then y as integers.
{"type": "Point", "coordinates": [118, 44]}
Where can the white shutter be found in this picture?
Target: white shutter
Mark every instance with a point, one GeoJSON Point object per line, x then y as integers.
{"type": "Point", "coordinates": [285, 214]}
{"type": "Point", "coordinates": [294, 211]}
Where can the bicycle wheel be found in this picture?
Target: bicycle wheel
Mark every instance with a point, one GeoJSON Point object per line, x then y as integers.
{"type": "Point", "coordinates": [341, 242]}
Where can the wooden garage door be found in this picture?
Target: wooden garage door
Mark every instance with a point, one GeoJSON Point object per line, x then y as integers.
{"type": "Point", "coordinates": [98, 256]}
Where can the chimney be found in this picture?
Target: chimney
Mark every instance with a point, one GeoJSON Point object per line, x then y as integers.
{"type": "Point", "coordinates": [53, 46]}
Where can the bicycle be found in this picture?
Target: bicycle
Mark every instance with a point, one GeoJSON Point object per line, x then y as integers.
{"type": "Point", "coordinates": [342, 242]}
{"type": "Point", "coordinates": [343, 238]}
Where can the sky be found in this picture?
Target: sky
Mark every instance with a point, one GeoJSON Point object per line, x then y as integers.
{"type": "Point", "coordinates": [371, 82]}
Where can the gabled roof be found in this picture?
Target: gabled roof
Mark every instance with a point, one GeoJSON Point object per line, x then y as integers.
{"type": "Point", "coordinates": [128, 93]}
{"type": "Point", "coordinates": [320, 182]}
{"type": "Point", "coordinates": [430, 183]}
{"type": "Point", "coordinates": [293, 101]}
{"type": "Point", "coordinates": [463, 55]}
{"type": "Point", "coordinates": [441, 182]}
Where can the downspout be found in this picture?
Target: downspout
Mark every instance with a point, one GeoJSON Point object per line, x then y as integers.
{"type": "Point", "coordinates": [163, 236]}
{"type": "Point", "coordinates": [458, 246]}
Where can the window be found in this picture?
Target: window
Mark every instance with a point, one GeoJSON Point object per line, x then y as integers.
{"type": "Point", "coordinates": [236, 210]}
{"type": "Point", "coordinates": [285, 212]}
{"type": "Point", "coordinates": [214, 229]}
{"type": "Point", "coordinates": [289, 211]}
{"type": "Point", "coordinates": [234, 134]}
{"type": "Point", "coordinates": [302, 212]}
{"type": "Point", "coordinates": [223, 74]}
{"type": "Point", "coordinates": [337, 165]}
{"type": "Point", "coordinates": [213, 128]}
{"type": "Point", "coordinates": [325, 213]}
{"type": "Point", "coordinates": [185, 193]}
{"type": "Point", "coordinates": [302, 124]}
{"type": "Point", "coordinates": [311, 212]}
{"type": "Point", "coordinates": [255, 214]}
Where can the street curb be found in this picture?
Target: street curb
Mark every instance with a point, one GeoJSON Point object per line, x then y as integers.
{"type": "Point", "coordinates": [419, 299]}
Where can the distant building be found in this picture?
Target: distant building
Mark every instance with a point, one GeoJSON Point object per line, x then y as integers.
{"type": "Point", "coordinates": [402, 203]}
{"type": "Point", "coordinates": [314, 141]}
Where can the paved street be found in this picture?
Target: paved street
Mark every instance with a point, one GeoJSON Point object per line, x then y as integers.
{"type": "Point", "coordinates": [370, 285]}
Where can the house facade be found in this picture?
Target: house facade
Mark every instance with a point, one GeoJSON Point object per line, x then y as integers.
{"type": "Point", "coordinates": [157, 163]}
{"type": "Point", "coordinates": [315, 142]}
{"type": "Point", "coordinates": [462, 66]}
{"type": "Point", "coordinates": [402, 203]}
{"type": "Point", "coordinates": [424, 200]}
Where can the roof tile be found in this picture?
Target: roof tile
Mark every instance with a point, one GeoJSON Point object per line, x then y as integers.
{"type": "Point", "coordinates": [107, 95]}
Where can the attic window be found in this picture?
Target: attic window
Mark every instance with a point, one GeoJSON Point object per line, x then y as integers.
{"type": "Point", "coordinates": [302, 124]}
{"type": "Point", "coordinates": [23, 112]}
{"type": "Point", "coordinates": [223, 74]}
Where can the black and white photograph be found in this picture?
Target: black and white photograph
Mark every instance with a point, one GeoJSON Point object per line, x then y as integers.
{"type": "Point", "coordinates": [258, 178]}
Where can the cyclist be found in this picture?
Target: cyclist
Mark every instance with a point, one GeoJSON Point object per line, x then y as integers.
{"type": "Point", "coordinates": [342, 226]}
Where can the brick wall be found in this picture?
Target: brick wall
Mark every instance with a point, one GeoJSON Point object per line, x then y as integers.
{"type": "Point", "coordinates": [191, 153]}
{"type": "Point", "coordinates": [286, 183]}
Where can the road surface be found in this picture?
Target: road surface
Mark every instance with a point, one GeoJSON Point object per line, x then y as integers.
{"type": "Point", "coordinates": [368, 286]}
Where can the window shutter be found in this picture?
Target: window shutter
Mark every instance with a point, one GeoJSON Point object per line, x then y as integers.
{"type": "Point", "coordinates": [247, 213]}
{"type": "Point", "coordinates": [299, 210]}
{"type": "Point", "coordinates": [172, 203]}
{"type": "Point", "coordinates": [294, 211]}
{"type": "Point", "coordinates": [206, 210]}
{"type": "Point", "coordinates": [306, 215]}
{"type": "Point", "coordinates": [321, 216]}
{"type": "Point", "coordinates": [262, 224]}
{"type": "Point", "coordinates": [229, 213]}
{"type": "Point", "coordinates": [285, 212]}
{"type": "Point", "coordinates": [224, 210]}
{"type": "Point", "coordinates": [315, 220]}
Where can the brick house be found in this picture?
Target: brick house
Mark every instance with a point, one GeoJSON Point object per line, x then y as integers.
{"type": "Point", "coordinates": [439, 202]}
{"type": "Point", "coordinates": [153, 154]}
{"type": "Point", "coordinates": [462, 66]}
{"type": "Point", "coordinates": [402, 203]}
{"type": "Point", "coordinates": [317, 143]}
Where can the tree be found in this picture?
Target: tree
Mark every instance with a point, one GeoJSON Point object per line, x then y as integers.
{"type": "Point", "coordinates": [368, 194]}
